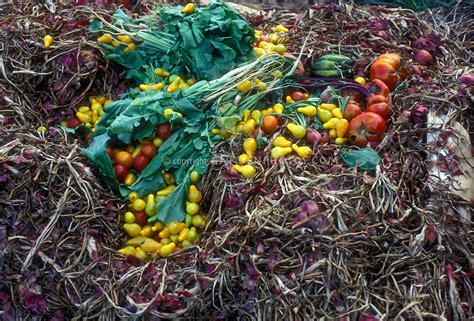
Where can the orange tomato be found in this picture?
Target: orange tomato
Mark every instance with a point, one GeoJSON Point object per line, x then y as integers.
{"type": "Point", "coordinates": [124, 158]}
{"type": "Point", "coordinates": [390, 69]}
{"type": "Point", "coordinates": [269, 124]}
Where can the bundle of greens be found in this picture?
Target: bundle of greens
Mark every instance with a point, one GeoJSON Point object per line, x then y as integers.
{"type": "Point", "coordinates": [203, 106]}
{"type": "Point", "coordinates": [204, 44]}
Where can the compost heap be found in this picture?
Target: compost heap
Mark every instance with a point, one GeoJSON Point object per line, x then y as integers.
{"type": "Point", "coordinates": [264, 208]}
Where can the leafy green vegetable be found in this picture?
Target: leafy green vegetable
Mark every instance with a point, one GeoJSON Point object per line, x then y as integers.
{"type": "Point", "coordinates": [365, 158]}
{"type": "Point", "coordinates": [205, 44]}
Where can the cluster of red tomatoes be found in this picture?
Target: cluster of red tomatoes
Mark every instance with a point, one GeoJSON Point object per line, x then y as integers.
{"type": "Point", "coordinates": [132, 159]}
{"type": "Point", "coordinates": [385, 73]}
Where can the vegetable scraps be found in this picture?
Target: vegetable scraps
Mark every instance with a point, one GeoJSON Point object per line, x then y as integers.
{"type": "Point", "coordinates": [200, 42]}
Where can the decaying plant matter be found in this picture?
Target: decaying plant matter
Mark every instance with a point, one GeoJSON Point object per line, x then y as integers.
{"type": "Point", "coordinates": [302, 240]}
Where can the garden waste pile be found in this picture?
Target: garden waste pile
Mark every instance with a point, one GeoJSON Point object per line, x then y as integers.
{"type": "Point", "coordinates": [195, 162]}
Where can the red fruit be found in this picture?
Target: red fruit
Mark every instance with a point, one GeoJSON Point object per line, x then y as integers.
{"type": "Point", "coordinates": [366, 127]}
{"type": "Point", "coordinates": [140, 162]}
{"type": "Point", "coordinates": [164, 131]}
{"type": "Point", "coordinates": [148, 150]}
{"type": "Point", "coordinates": [120, 172]}
{"type": "Point", "coordinates": [111, 153]}
{"type": "Point", "coordinates": [352, 110]}
{"type": "Point", "coordinates": [73, 122]}
{"type": "Point", "coordinates": [297, 96]}
{"type": "Point", "coordinates": [141, 218]}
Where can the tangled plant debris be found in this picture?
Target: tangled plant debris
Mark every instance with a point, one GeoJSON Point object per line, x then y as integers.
{"type": "Point", "coordinates": [301, 240]}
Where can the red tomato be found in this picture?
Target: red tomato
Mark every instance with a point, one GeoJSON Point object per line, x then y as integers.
{"type": "Point", "coordinates": [377, 99]}
{"type": "Point", "coordinates": [148, 150]}
{"type": "Point", "coordinates": [352, 109]}
{"type": "Point", "coordinates": [390, 69]}
{"type": "Point", "coordinates": [378, 104]}
{"type": "Point", "coordinates": [297, 96]}
{"type": "Point", "coordinates": [367, 127]}
{"type": "Point", "coordinates": [381, 108]}
{"type": "Point", "coordinates": [140, 162]}
{"type": "Point", "coordinates": [120, 172]}
{"type": "Point", "coordinates": [353, 94]}
{"type": "Point", "coordinates": [163, 131]}
{"type": "Point", "coordinates": [141, 218]}
{"type": "Point", "coordinates": [73, 122]}
{"type": "Point", "coordinates": [269, 124]}
{"type": "Point", "coordinates": [111, 152]}
{"type": "Point", "coordinates": [124, 158]}
{"type": "Point", "coordinates": [378, 87]}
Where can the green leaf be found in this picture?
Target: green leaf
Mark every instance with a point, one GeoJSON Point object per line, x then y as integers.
{"type": "Point", "coordinates": [228, 122]}
{"type": "Point", "coordinates": [172, 208]}
{"type": "Point", "coordinates": [365, 158]}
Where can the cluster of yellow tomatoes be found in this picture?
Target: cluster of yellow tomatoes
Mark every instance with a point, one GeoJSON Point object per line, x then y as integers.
{"type": "Point", "coordinates": [273, 42]}
{"type": "Point", "coordinates": [169, 82]}
{"type": "Point", "coordinates": [124, 41]}
{"type": "Point", "coordinates": [88, 115]}
{"type": "Point", "coordinates": [155, 240]}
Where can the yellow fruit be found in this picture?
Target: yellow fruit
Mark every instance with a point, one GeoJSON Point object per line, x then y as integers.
{"type": "Point", "coordinates": [336, 112]}
{"type": "Point", "coordinates": [280, 49]}
{"type": "Point", "coordinates": [198, 221]}
{"type": "Point", "coordinates": [260, 86]}
{"type": "Point", "coordinates": [105, 38]}
{"type": "Point", "coordinates": [248, 171]}
{"type": "Point", "coordinates": [281, 28]}
{"type": "Point", "coordinates": [183, 234]}
{"type": "Point", "coordinates": [249, 126]}
{"type": "Point", "coordinates": [331, 124]}
{"type": "Point", "coordinates": [128, 250]}
{"type": "Point", "coordinates": [325, 115]}
{"type": "Point", "coordinates": [130, 179]}
{"type": "Point", "coordinates": [259, 51]}
{"type": "Point", "coordinates": [146, 231]}
{"type": "Point", "coordinates": [341, 127]}
{"type": "Point", "coordinates": [243, 159]}
{"type": "Point", "coordinates": [84, 109]}
{"type": "Point", "coordinates": [140, 254]}
{"type": "Point", "coordinates": [263, 44]}
{"type": "Point", "coordinates": [192, 208]}
{"type": "Point", "coordinates": [164, 233]}
{"type": "Point", "coordinates": [191, 236]}
{"type": "Point", "coordinates": [48, 41]}
{"type": "Point", "coordinates": [125, 38]}
{"type": "Point", "coordinates": [160, 72]}
{"type": "Point", "coordinates": [340, 140]}
{"type": "Point", "coordinates": [165, 241]}
{"type": "Point", "coordinates": [136, 241]}
{"type": "Point", "coordinates": [333, 133]}
{"type": "Point", "coordinates": [278, 152]}
{"type": "Point", "coordinates": [186, 244]}
{"type": "Point", "coordinates": [175, 227]}
{"type": "Point", "coordinates": [360, 80]}
{"type": "Point", "coordinates": [194, 177]}
{"type": "Point", "coordinates": [250, 146]}
{"type": "Point", "coordinates": [167, 113]}
{"type": "Point", "coordinates": [157, 227]}
{"type": "Point", "coordinates": [129, 217]}
{"type": "Point", "coordinates": [309, 111]}
{"type": "Point", "coordinates": [139, 205]}
{"type": "Point", "coordinates": [166, 250]}
{"type": "Point", "coordinates": [279, 108]}
{"type": "Point", "coordinates": [84, 118]}
{"type": "Point", "coordinates": [188, 220]}
{"type": "Point", "coordinates": [194, 194]}
{"type": "Point", "coordinates": [132, 196]}
{"type": "Point", "coordinates": [150, 245]}
{"type": "Point", "coordinates": [115, 44]}
{"type": "Point", "coordinates": [157, 142]}
{"type": "Point", "coordinates": [296, 130]}
{"type": "Point", "coordinates": [132, 229]}
{"type": "Point", "coordinates": [328, 107]}
{"type": "Point", "coordinates": [169, 178]}
{"type": "Point", "coordinates": [174, 238]}
{"type": "Point", "coordinates": [302, 151]}
{"type": "Point", "coordinates": [150, 207]}
{"type": "Point", "coordinates": [245, 86]}
{"type": "Point", "coordinates": [166, 191]}
{"type": "Point", "coordinates": [189, 8]}
{"type": "Point", "coordinates": [281, 141]}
